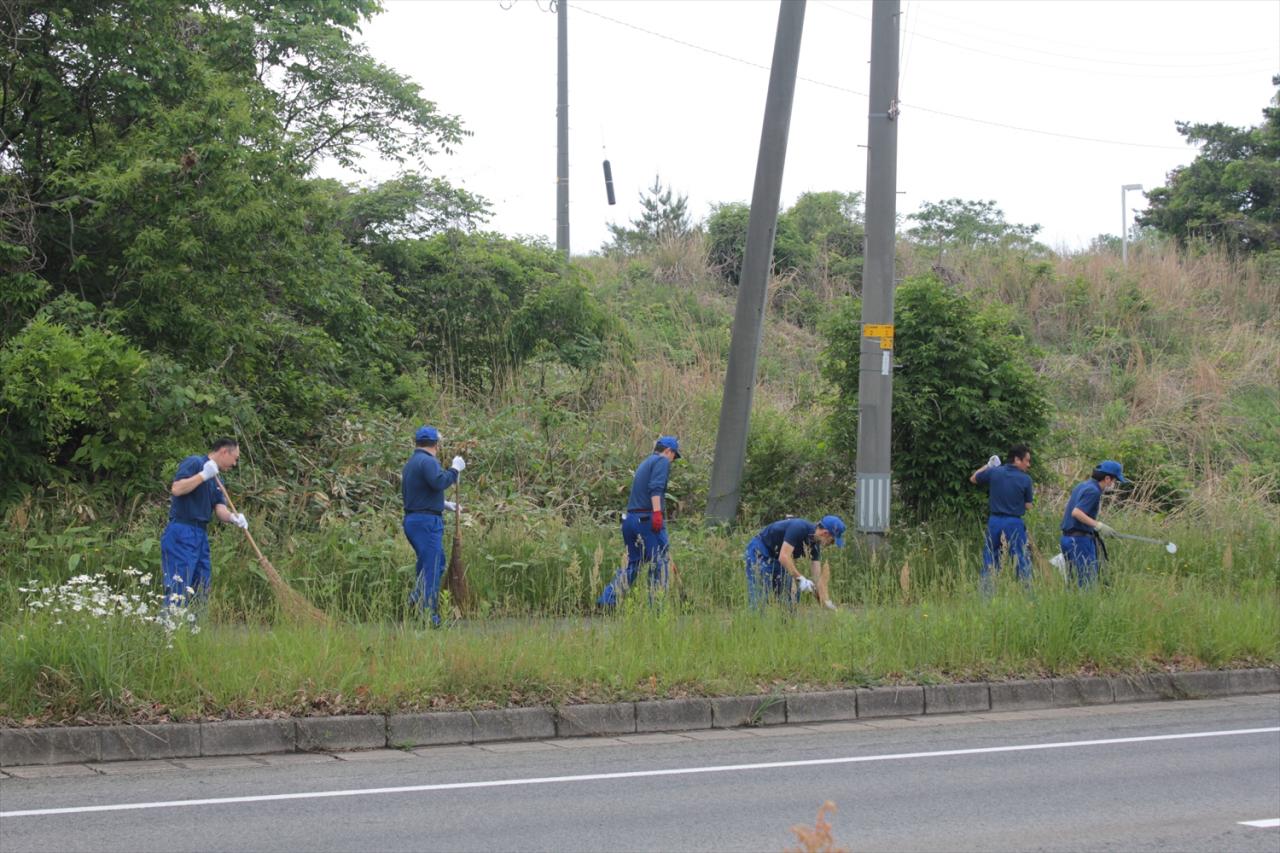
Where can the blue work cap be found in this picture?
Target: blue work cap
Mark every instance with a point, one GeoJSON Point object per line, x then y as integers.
{"type": "Point", "coordinates": [1112, 467]}
{"type": "Point", "coordinates": [669, 442]}
{"type": "Point", "coordinates": [427, 433]}
{"type": "Point", "coordinates": [833, 525]}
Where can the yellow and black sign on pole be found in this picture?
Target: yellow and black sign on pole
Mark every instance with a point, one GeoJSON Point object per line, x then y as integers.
{"type": "Point", "coordinates": [883, 331]}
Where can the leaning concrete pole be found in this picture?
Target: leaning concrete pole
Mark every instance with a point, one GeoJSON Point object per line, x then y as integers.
{"type": "Point", "coordinates": [562, 128]}
{"type": "Point", "coordinates": [753, 286]}
{"type": "Point", "coordinates": [875, 363]}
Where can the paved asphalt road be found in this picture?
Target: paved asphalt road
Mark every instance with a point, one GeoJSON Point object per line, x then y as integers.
{"type": "Point", "coordinates": [1167, 776]}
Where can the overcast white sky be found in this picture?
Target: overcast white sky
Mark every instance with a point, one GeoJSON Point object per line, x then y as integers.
{"type": "Point", "coordinates": [663, 102]}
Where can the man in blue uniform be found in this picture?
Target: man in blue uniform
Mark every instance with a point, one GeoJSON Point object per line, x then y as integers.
{"type": "Point", "coordinates": [422, 484]}
{"type": "Point", "coordinates": [644, 529]}
{"type": "Point", "coordinates": [194, 499]}
{"type": "Point", "coordinates": [1080, 525]}
{"type": "Point", "coordinates": [770, 557]}
{"type": "Point", "coordinates": [1009, 497]}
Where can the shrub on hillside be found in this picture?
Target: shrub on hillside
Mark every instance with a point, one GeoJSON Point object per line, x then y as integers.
{"type": "Point", "coordinates": [963, 389]}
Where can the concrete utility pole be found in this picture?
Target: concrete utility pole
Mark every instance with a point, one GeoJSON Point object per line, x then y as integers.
{"type": "Point", "coordinates": [875, 363]}
{"type": "Point", "coordinates": [753, 286]}
{"type": "Point", "coordinates": [1124, 221]}
{"type": "Point", "coordinates": [562, 128]}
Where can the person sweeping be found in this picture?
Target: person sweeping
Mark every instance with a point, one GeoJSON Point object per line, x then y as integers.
{"type": "Point", "coordinates": [195, 498]}
{"type": "Point", "coordinates": [1081, 530]}
{"type": "Point", "coordinates": [644, 530]}
{"type": "Point", "coordinates": [423, 484]}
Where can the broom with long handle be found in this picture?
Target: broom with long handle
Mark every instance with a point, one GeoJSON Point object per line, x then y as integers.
{"type": "Point", "coordinates": [456, 575]}
{"type": "Point", "coordinates": [291, 601]}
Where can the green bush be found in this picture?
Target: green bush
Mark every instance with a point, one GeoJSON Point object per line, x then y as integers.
{"type": "Point", "coordinates": [963, 389]}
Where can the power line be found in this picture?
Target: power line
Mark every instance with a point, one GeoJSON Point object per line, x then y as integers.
{"type": "Point", "coordinates": [1071, 136]}
{"type": "Point", "coordinates": [1024, 37]}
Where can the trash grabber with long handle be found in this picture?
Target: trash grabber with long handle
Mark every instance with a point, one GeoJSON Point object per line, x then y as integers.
{"type": "Point", "coordinates": [291, 601]}
{"type": "Point", "coordinates": [1168, 546]}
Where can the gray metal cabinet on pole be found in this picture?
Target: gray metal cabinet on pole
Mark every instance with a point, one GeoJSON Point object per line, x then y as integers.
{"type": "Point", "coordinates": [753, 287]}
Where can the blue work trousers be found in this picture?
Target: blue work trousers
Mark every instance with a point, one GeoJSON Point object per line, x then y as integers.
{"type": "Point", "coordinates": [1006, 537]}
{"type": "Point", "coordinates": [426, 534]}
{"type": "Point", "coordinates": [643, 547]}
{"type": "Point", "coordinates": [1081, 553]}
{"type": "Point", "coordinates": [767, 580]}
{"type": "Point", "coordinates": [184, 559]}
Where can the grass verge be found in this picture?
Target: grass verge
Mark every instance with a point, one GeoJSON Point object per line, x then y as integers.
{"type": "Point", "coordinates": [97, 670]}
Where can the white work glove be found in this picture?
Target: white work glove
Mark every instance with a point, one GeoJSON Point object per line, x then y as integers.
{"type": "Point", "coordinates": [1104, 529]}
{"type": "Point", "coordinates": [238, 519]}
{"type": "Point", "coordinates": [993, 462]}
{"type": "Point", "coordinates": [806, 585]}
{"type": "Point", "coordinates": [452, 507]}
{"type": "Point", "coordinates": [209, 471]}
{"type": "Point", "coordinates": [459, 464]}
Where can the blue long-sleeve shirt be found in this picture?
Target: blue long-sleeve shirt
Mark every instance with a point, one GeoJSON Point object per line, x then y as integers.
{"type": "Point", "coordinates": [423, 483]}
{"type": "Point", "coordinates": [196, 506]}
{"type": "Point", "coordinates": [1009, 489]}
{"type": "Point", "coordinates": [650, 479]}
{"type": "Point", "coordinates": [797, 531]}
{"type": "Point", "coordinates": [1087, 496]}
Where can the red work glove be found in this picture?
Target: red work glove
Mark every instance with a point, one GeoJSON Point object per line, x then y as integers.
{"type": "Point", "coordinates": [656, 521]}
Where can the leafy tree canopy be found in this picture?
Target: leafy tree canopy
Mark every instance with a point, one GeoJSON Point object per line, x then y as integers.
{"type": "Point", "coordinates": [969, 224]}
{"type": "Point", "coordinates": [1230, 193]}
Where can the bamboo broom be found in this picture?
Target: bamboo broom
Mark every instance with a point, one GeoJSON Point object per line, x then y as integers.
{"type": "Point", "coordinates": [294, 605]}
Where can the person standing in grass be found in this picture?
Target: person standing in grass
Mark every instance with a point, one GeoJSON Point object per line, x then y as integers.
{"type": "Point", "coordinates": [423, 483]}
{"type": "Point", "coordinates": [770, 557]}
{"type": "Point", "coordinates": [195, 498]}
{"type": "Point", "coordinates": [644, 529]}
{"type": "Point", "coordinates": [1009, 496]}
{"type": "Point", "coordinates": [1081, 530]}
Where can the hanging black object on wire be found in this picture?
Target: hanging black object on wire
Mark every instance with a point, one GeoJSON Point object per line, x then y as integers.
{"type": "Point", "coordinates": [608, 182]}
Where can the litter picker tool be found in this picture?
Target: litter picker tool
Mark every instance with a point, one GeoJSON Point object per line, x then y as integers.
{"type": "Point", "coordinates": [1168, 546]}
{"type": "Point", "coordinates": [291, 601]}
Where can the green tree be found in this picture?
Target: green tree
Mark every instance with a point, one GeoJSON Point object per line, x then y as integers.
{"type": "Point", "coordinates": [1230, 193]}
{"type": "Point", "coordinates": [969, 224]}
{"type": "Point", "coordinates": [663, 215]}
{"type": "Point", "coordinates": [964, 388]}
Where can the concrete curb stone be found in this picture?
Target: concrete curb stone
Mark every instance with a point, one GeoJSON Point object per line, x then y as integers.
{"type": "Point", "coordinates": [1146, 687]}
{"type": "Point", "coordinates": [1021, 695]}
{"type": "Point", "coordinates": [436, 728]}
{"type": "Point", "coordinates": [617, 718]}
{"type": "Point", "coordinates": [673, 715]}
{"type": "Point", "coordinates": [956, 698]}
{"type": "Point", "coordinates": [1091, 690]}
{"type": "Point", "coordinates": [730, 712]}
{"type": "Point", "coordinates": [368, 731]}
{"type": "Point", "coordinates": [890, 701]}
{"type": "Point", "coordinates": [70, 746]}
{"type": "Point", "coordinates": [247, 737]}
{"type": "Point", "coordinates": [67, 745]}
{"type": "Point", "coordinates": [1253, 681]}
{"type": "Point", "coordinates": [169, 740]}
{"type": "Point", "coordinates": [514, 724]}
{"type": "Point", "coordinates": [1194, 685]}
{"type": "Point", "coordinates": [828, 706]}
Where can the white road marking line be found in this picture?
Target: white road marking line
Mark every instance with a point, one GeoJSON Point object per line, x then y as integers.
{"type": "Point", "coordinates": [631, 774]}
{"type": "Point", "coordinates": [1264, 824]}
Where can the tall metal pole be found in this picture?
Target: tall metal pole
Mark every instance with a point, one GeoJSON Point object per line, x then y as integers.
{"type": "Point", "coordinates": [562, 128]}
{"type": "Point", "coordinates": [753, 287]}
{"type": "Point", "coordinates": [1124, 222]}
{"type": "Point", "coordinates": [875, 363]}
